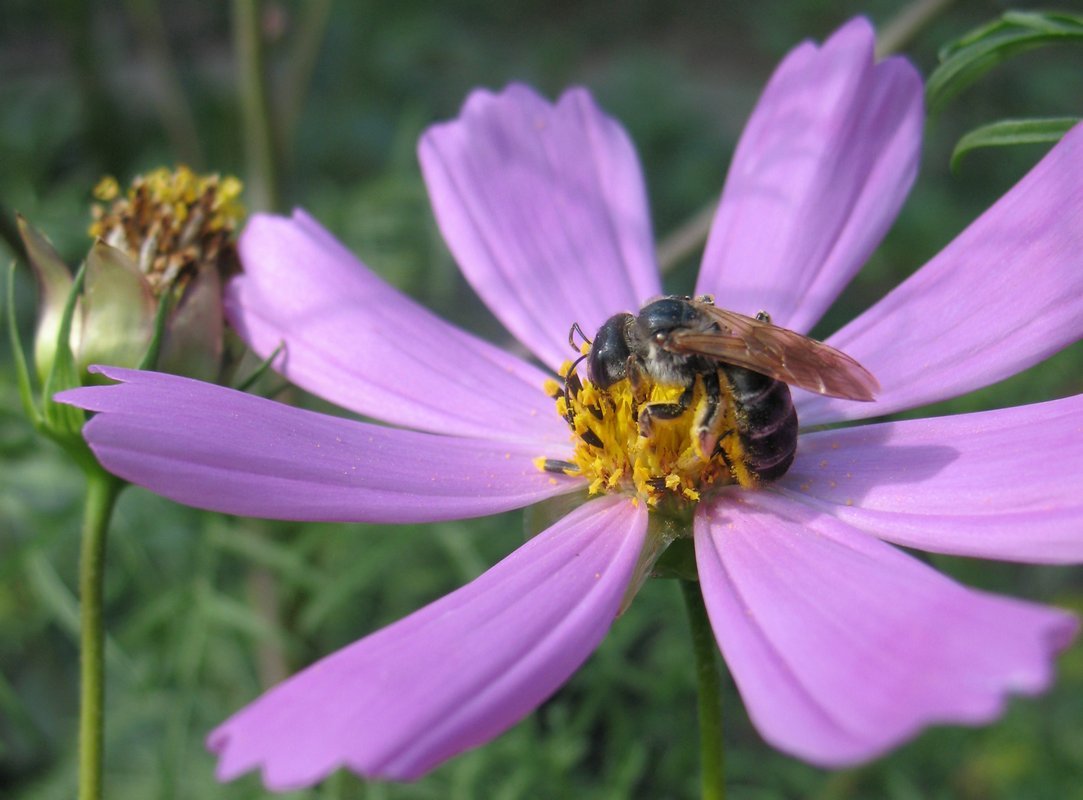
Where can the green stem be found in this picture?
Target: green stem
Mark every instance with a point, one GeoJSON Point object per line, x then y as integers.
{"type": "Point", "coordinates": [313, 17]}
{"type": "Point", "coordinates": [101, 495]}
{"type": "Point", "coordinates": [259, 142]}
{"type": "Point", "coordinates": [900, 30]}
{"type": "Point", "coordinates": [173, 107]}
{"type": "Point", "coordinates": [712, 752]}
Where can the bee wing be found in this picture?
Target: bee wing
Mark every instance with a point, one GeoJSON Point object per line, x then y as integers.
{"type": "Point", "coordinates": [776, 352]}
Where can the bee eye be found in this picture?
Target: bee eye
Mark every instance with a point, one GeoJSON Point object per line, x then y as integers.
{"type": "Point", "coordinates": [660, 337]}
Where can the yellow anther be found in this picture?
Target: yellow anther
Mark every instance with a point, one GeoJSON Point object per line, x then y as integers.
{"type": "Point", "coordinates": [107, 189]}
{"type": "Point", "coordinates": [173, 222]}
{"type": "Point", "coordinates": [613, 455]}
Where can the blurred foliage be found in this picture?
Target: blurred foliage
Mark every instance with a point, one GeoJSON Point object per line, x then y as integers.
{"type": "Point", "coordinates": [971, 56]}
{"type": "Point", "coordinates": [203, 611]}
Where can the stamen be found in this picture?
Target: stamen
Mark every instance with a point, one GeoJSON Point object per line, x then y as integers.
{"type": "Point", "coordinates": [171, 222]}
{"type": "Point", "coordinates": [666, 466]}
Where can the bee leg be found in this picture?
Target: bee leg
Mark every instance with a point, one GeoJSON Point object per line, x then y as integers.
{"type": "Point", "coordinates": [708, 417]}
{"type": "Point", "coordinates": [732, 453]}
{"type": "Point", "coordinates": [636, 375]}
{"type": "Point", "coordinates": [663, 411]}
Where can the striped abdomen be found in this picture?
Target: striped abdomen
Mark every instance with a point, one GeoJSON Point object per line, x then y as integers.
{"type": "Point", "coordinates": [768, 421]}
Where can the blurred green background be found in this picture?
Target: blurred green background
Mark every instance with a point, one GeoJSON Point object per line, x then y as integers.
{"type": "Point", "coordinates": [204, 611]}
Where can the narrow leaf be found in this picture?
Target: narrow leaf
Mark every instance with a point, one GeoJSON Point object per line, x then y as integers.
{"type": "Point", "coordinates": [261, 370]}
{"type": "Point", "coordinates": [971, 56]}
{"type": "Point", "coordinates": [150, 357]}
{"type": "Point", "coordinates": [61, 419]}
{"type": "Point", "coordinates": [1013, 131]}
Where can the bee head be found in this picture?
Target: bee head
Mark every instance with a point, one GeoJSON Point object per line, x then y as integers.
{"type": "Point", "coordinates": [609, 351]}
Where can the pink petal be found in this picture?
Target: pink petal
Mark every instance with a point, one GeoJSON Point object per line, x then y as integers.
{"type": "Point", "coordinates": [215, 448]}
{"type": "Point", "coordinates": [454, 674]}
{"type": "Point", "coordinates": [356, 341]}
{"type": "Point", "coordinates": [843, 647]}
{"type": "Point", "coordinates": [545, 210]}
{"type": "Point", "coordinates": [1006, 294]}
{"type": "Point", "coordinates": [824, 164]}
{"type": "Point", "coordinates": [996, 484]}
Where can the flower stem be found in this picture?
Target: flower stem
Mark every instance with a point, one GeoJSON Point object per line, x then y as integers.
{"type": "Point", "coordinates": [101, 495]}
{"type": "Point", "coordinates": [259, 142]}
{"type": "Point", "coordinates": [712, 753]}
{"type": "Point", "coordinates": [897, 32]}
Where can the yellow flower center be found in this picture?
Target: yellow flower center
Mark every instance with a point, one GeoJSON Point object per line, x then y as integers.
{"type": "Point", "coordinates": [170, 222]}
{"type": "Point", "coordinates": [664, 468]}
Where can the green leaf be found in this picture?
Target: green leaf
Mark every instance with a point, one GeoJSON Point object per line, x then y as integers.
{"type": "Point", "coordinates": [261, 370]}
{"type": "Point", "coordinates": [64, 422]}
{"type": "Point", "coordinates": [968, 58]}
{"type": "Point", "coordinates": [1013, 131]}
{"type": "Point", "coordinates": [150, 357]}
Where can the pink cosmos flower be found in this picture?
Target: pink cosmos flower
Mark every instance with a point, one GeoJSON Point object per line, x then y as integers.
{"type": "Point", "coordinates": [841, 645]}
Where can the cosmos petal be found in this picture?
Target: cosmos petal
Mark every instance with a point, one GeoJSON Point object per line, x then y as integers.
{"type": "Point", "coordinates": [216, 448]}
{"type": "Point", "coordinates": [1004, 295]}
{"type": "Point", "coordinates": [995, 484]}
{"type": "Point", "coordinates": [820, 173]}
{"type": "Point", "coordinates": [843, 647]}
{"type": "Point", "coordinates": [353, 339]}
{"type": "Point", "coordinates": [544, 208]}
{"type": "Point", "coordinates": [452, 675]}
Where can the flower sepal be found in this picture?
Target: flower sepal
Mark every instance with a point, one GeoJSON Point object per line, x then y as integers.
{"type": "Point", "coordinates": [54, 281]}
{"type": "Point", "coordinates": [666, 553]}
{"type": "Point", "coordinates": [677, 561]}
{"type": "Point", "coordinates": [119, 311]}
{"type": "Point", "coordinates": [60, 422]}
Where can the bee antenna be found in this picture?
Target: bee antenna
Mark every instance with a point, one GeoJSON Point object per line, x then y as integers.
{"type": "Point", "coordinates": [571, 337]}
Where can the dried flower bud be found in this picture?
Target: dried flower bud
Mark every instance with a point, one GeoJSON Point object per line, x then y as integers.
{"type": "Point", "coordinates": [167, 239]}
{"type": "Point", "coordinates": [174, 224]}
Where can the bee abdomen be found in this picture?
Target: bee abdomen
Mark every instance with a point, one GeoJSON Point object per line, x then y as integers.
{"type": "Point", "coordinates": [769, 421]}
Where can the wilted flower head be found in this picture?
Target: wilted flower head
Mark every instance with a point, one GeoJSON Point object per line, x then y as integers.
{"type": "Point", "coordinates": [167, 239]}
{"type": "Point", "coordinates": [842, 646]}
{"type": "Point", "coordinates": [174, 224]}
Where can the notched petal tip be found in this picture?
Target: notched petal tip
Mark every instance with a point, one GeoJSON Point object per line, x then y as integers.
{"type": "Point", "coordinates": [544, 207]}
{"type": "Point", "coordinates": [821, 170]}
{"type": "Point", "coordinates": [844, 648]}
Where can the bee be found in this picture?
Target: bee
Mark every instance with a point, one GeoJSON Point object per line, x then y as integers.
{"type": "Point", "coordinates": [744, 361]}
